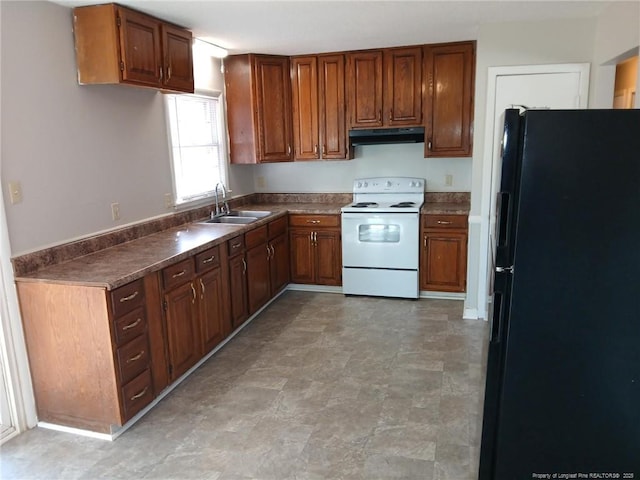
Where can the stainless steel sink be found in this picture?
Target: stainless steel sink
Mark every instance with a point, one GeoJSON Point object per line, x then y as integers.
{"type": "Point", "coordinates": [232, 219]}
{"type": "Point", "coordinates": [239, 217]}
{"type": "Point", "coordinates": [249, 213]}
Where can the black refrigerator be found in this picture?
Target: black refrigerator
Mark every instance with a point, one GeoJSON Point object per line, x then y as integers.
{"type": "Point", "coordinates": [562, 397]}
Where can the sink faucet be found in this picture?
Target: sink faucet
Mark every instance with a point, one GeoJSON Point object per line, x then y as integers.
{"type": "Point", "coordinates": [225, 206]}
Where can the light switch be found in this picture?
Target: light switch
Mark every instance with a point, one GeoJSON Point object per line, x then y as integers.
{"type": "Point", "coordinates": [448, 180]}
{"type": "Point", "coordinates": [15, 192]}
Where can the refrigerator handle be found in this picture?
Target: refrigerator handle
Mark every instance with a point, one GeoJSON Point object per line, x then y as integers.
{"type": "Point", "coordinates": [504, 199]}
{"type": "Point", "coordinates": [496, 321]}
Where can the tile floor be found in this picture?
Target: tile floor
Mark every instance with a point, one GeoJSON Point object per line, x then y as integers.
{"type": "Point", "coordinates": [319, 386]}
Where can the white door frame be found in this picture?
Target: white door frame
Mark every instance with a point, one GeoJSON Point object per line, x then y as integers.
{"type": "Point", "coordinates": [14, 361]}
{"type": "Point", "coordinates": [489, 191]}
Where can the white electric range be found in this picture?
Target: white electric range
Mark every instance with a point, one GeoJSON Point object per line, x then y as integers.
{"type": "Point", "coordinates": [380, 237]}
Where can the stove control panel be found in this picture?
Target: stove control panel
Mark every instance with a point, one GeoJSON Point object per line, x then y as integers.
{"type": "Point", "coordinates": [389, 185]}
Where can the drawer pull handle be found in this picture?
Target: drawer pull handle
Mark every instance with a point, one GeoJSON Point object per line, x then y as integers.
{"type": "Point", "coordinates": [139, 394]}
{"type": "Point", "coordinates": [444, 222]}
{"type": "Point", "coordinates": [136, 358]}
{"type": "Point", "coordinates": [313, 221]}
{"type": "Point", "coordinates": [179, 274]}
{"type": "Point", "coordinates": [236, 245]}
{"type": "Point", "coordinates": [209, 260]}
{"type": "Point", "coordinates": [130, 297]}
{"type": "Point", "coordinates": [132, 324]}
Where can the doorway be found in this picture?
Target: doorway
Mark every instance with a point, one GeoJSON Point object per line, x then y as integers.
{"type": "Point", "coordinates": [563, 86]}
{"type": "Point", "coordinates": [624, 92]}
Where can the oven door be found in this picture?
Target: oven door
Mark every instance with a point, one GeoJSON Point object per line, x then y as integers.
{"type": "Point", "coordinates": [380, 240]}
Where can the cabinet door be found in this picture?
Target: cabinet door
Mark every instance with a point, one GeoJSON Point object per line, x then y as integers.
{"type": "Point", "coordinates": [328, 257]}
{"type": "Point", "coordinates": [304, 76]}
{"type": "Point", "coordinates": [403, 86]}
{"type": "Point", "coordinates": [139, 48]}
{"type": "Point", "coordinates": [178, 59]}
{"type": "Point", "coordinates": [279, 263]}
{"type": "Point", "coordinates": [333, 130]}
{"type": "Point", "coordinates": [182, 331]}
{"type": "Point", "coordinates": [238, 289]}
{"type": "Point", "coordinates": [273, 108]}
{"type": "Point", "coordinates": [209, 288]}
{"type": "Point", "coordinates": [258, 289]}
{"type": "Point", "coordinates": [365, 89]}
{"type": "Point", "coordinates": [302, 256]}
{"type": "Point", "coordinates": [443, 261]}
{"type": "Point", "coordinates": [449, 71]}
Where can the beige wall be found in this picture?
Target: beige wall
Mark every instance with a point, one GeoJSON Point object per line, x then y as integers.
{"type": "Point", "coordinates": [77, 149]}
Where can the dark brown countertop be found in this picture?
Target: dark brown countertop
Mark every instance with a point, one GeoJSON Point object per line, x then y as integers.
{"type": "Point", "coordinates": [115, 266]}
{"type": "Point", "coordinates": [442, 208]}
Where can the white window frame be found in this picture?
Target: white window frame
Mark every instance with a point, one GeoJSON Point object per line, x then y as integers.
{"type": "Point", "coordinates": [201, 197]}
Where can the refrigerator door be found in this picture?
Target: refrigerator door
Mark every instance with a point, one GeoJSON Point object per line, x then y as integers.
{"type": "Point", "coordinates": [569, 395]}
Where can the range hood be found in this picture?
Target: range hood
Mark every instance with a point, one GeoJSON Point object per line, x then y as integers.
{"type": "Point", "coordinates": [386, 135]}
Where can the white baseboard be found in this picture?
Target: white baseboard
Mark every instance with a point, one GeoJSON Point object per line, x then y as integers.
{"type": "Point", "coordinates": [314, 288]}
{"type": "Point", "coordinates": [443, 295]}
{"type": "Point", "coordinates": [470, 314]}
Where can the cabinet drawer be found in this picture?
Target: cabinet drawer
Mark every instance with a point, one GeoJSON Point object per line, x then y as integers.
{"type": "Point", "coordinates": [314, 220]}
{"type": "Point", "coordinates": [133, 358]}
{"type": "Point", "coordinates": [278, 227]}
{"type": "Point", "coordinates": [444, 221]}
{"type": "Point", "coordinates": [236, 245]}
{"type": "Point", "coordinates": [137, 394]}
{"type": "Point", "coordinates": [178, 274]}
{"type": "Point", "coordinates": [126, 298]}
{"type": "Point", "coordinates": [255, 237]}
{"type": "Point", "coordinates": [208, 259]}
{"type": "Point", "coordinates": [130, 325]}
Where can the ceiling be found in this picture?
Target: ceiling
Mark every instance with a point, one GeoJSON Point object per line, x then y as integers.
{"type": "Point", "coordinates": [298, 26]}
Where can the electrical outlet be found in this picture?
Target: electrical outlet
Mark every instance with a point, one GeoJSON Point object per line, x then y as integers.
{"type": "Point", "coordinates": [115, 211]}
{"type": "Point", "coordinates": [15, 192]}
{"type": "Point", "coordinates": [168, 200]}
{"type": "Point", "coordinates": [448, 180]}
{"type": "Point", "coordinates": [261, 183]}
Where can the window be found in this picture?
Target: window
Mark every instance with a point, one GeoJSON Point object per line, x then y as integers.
{"type": "Point", "coordinates": [197, 153]}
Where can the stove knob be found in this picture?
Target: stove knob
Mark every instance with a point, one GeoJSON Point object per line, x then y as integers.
{"type": "Point", "coordinates": [389, 183]}
{"type": "Point", "coordinates": [366, 184]}
{"type": "Point", "coordinates": [359, 184]}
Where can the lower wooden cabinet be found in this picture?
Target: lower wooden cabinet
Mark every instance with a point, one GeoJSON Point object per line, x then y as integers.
{"type": "Point", "coordinates": [267, 262]}
{"type": "Point", "coordinates": [237, 281]}
{"type": "Point", "coordinates": [443, 253]}
{"type": "Point", "coordinates": [89, 352]}
{"type": "Point", "coordinates": [316, 252]}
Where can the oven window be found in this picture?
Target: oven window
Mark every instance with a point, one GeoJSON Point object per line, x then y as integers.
{"type": "Point", "coordinates": [379, 233]}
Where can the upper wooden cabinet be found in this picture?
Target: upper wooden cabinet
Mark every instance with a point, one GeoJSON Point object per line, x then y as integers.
{"type": "Point", "coordinates": [258, 89]}
{"type": "Point", "coordinates": [449, 72]}
{"type": "Point", "coordinates": [385, 88]}
{"type": "Point", "coordinates": [319, 111]}
{"type": "Point", "coordinates": [115, 44]}
{"type": "Point", "coordinates": [403, 86]}
{"type": "Point", "coordinates": [365, 89]}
